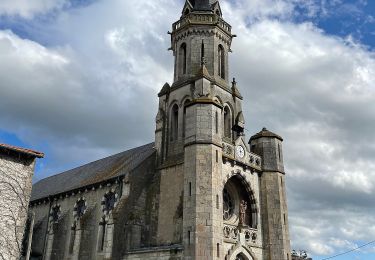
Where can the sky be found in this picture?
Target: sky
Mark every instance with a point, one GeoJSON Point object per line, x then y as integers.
{"type": "Point", "coordinates": [79, 81]}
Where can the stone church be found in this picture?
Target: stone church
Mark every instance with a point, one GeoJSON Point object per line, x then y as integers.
{"type": "Point", "coordinates": [200, 191]}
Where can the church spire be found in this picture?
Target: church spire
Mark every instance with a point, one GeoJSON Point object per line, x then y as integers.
{"type": "Point", "coordinates": [202, 5]}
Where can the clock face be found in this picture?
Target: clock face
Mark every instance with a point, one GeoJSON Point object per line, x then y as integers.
{"type": "Point", "coordinates": [240, 151]}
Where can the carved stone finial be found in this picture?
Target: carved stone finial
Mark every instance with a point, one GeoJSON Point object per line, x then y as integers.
{"type": "Point", "coordinates": [203, 61]}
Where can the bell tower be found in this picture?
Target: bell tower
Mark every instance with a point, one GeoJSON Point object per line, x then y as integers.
{"type": "Point", "coordinates": [200, 42]}
{"type": "Point", "coordinates": [207, 171]}
{"type": "Point", "coordinates": [201, 36]}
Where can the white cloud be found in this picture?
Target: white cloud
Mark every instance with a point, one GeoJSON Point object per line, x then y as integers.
{"type": "Point", "coordinates": [71, 94]}
{"type": "Point", "coordinates": [93, 92]}
{"type": "Point", "coordinates": [29, 8]}
{"type": "Point", "coordinates": [322, 95]}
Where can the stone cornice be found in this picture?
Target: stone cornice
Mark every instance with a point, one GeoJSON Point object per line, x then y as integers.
{"type": "Point", "coordinates": [203, 142]}
{"type": "Point", "coordinates": [242, 164]}
{"type": "Point", "coordinates": [191, 80]}
{"type": "Point", "coordinates": [204, 100]}
{"type": "Point", "coordinates": [80, 190]}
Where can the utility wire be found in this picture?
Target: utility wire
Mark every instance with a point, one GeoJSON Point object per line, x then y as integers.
{"type": "Point", "coordinates": [350, 250]}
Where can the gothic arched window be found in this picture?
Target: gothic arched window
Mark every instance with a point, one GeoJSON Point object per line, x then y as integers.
{"type": "Point", "coordinates": [227, 123]}
{"type": "Point", "coordinates": [239, 206]}
{"type": "Point", "coordinates": [80, 208]}
{"type": "Point", "coordinates": [55, 213]}
{"type": "Point", "coordinates": [221, 61]}
{"type": "Point", "coordinates": [174, 123]}
{"type": "Point", "coordinates": [183, 58]}
{"type": "Point", "coordinates": [109, 201]}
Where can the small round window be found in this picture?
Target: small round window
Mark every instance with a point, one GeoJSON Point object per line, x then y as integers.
{"type": "Point", "coordinates": [228, 207]}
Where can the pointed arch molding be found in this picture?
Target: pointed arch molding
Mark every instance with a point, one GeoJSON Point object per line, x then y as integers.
{"type": "Point", "coordinates": [247, 184]}
{"type": "Point", "coordinates": [240, 248]}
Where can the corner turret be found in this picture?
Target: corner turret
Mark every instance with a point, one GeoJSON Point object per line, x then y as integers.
{"type": "Point", "coordinates": [273, 196]}
{"type": "Point", "coordinates": [268, 145]}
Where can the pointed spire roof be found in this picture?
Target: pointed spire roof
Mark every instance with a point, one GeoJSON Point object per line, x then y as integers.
{"type": "Point", "coordinates": [201, 5]}
{"type": "Point", "coordinates": [165, 90]}
{"type": "Point", "coordinates": [203, 72]}
{"type": "Point", "coordinates": [265, 133]}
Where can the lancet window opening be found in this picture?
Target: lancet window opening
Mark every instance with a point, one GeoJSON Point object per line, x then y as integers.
{"type": "Point", "coordinates": [184, 119]}
{"type": "Point", "coordinates": [202, 52]}
{"type": "Point", "coordinates": [174, 123]}
{"type": "Point", "coordinates": [227, 122]}
{"type": "Point", "coordinates": [183, 58]}
{"type": "Point", "coordinates": [221, 61]}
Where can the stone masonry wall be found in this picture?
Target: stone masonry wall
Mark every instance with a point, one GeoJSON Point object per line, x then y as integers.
{"type": "Point", "coordinates": [202, 181]}
{"type": "Point", "coordinates": [136, 216]}
{"type": "Point", "coordinates": [15, 188]}
{"type": "Point", "coordinates": [273, 199]}
{"type": "Point", "coordinates": [171, 205]}
{"type": "Point", "coordinates": [155, 254]}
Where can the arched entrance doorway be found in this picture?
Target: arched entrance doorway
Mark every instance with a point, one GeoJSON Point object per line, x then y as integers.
{"type": "Point", "coordinates": [241, 252]}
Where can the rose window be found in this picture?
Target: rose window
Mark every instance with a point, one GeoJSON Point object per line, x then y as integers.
{"type": "Point", "coordinates": [228, 207]}
{"type": "Point", "coordinates": [239, 203]}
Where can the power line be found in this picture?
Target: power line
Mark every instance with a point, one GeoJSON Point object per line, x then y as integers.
{"type": "Point", "coordinates": [350, 250]}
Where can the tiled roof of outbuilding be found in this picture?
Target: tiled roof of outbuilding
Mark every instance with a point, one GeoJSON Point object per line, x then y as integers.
{"type": "Point", "coordinates": [25, 151]}
{"type": "Point", "coordinates": [92, 173]}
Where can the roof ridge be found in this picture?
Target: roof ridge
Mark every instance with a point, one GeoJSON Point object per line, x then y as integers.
{"type": "Point", "coordinates": [22, 150]}
{"type": "Point", "coordinates": [92, 162]}
{"type": "Point", "coordinates": [104, 169]}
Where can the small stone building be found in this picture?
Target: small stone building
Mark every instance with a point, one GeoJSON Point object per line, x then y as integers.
{"type": "Point", "coordinates": [16, 173]}
{"type": "Point", "coordinates": [200, 191]}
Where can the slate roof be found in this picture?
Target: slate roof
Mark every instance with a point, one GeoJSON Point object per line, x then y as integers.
{"type": "Point", "coordinates": [265, 133]}
{"type": "Point", "coordinates": [92, 173]}
{"type": "Point", "coordinates": [202, 5]}
{"type": "Point", "coordinates": [29, 152]}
